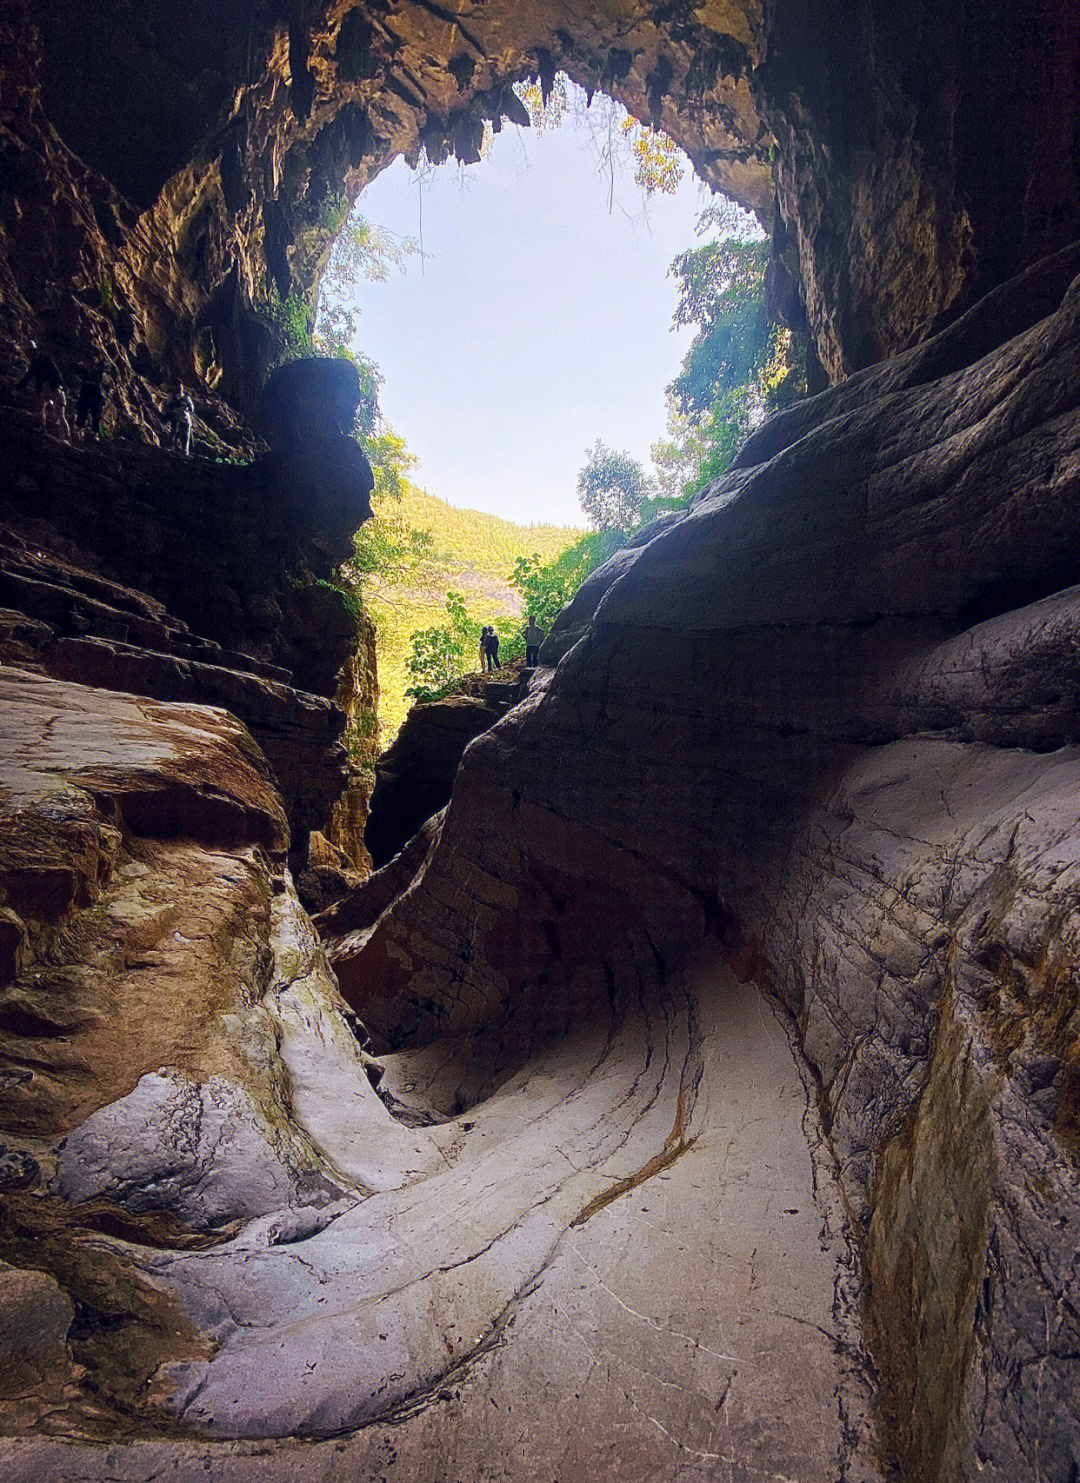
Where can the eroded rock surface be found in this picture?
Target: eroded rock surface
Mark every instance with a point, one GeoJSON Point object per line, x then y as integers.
{"type": "Point", "coordinates": [128, 569]}
{"type": "Point", "coordinates": [290, 1260]}
{"type": "Point", "coordinates": [415, 775]}
{"type": "Point", "coordinates": [874, 799]}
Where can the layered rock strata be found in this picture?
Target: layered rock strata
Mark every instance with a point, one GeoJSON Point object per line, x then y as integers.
{"type": "Point", "coordinates": [136, 571]}
{"type": "Point", "coordinates": [220, 1228]}
{"type": "Point", "coordinates": [850, 749]}
{"type": "Point", "coordinates": [728, 1013]}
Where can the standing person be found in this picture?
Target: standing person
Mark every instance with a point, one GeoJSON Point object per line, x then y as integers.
{"type": "Point", "coordinates": [48, 387]}
{"type": "Point", "coordinates": [491, 649]}
{"type": "Point", "coordinates": [483, 647]}
{"type": "Point", "coordinates": [180, 412]}
{"type": "Point", "coordinates": [534, 637]}
{"type": "Point", "coordinates": [91, 402]}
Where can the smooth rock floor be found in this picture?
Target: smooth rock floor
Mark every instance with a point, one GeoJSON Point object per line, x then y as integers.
{"type": "Point", "coordinates": [630, 1267]}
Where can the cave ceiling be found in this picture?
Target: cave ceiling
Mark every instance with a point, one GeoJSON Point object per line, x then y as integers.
{"type": "Point", "coordinates": [220, 144]}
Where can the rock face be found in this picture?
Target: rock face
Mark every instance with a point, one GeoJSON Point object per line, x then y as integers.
{"type": "Point", "coordinates": [728, 1014]}
{"type": "Point", "coordinates": [727, 1118]}
{"type": "Point", "coordinates": [870, 796]}
{"type": "Point", "coordinates": [414, 776]}
{"type": "Point", "coordinates": [187, 580]}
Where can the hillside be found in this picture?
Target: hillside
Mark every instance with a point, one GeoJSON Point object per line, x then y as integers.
{"type": "Point", "coordinates": [471, 553]}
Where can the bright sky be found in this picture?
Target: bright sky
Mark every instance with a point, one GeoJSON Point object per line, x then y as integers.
{"type": "Point", "coordinates": [539, 321]}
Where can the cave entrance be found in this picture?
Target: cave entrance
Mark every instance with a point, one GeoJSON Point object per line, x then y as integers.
{"type": "Point", "coordinates": [512, 315]}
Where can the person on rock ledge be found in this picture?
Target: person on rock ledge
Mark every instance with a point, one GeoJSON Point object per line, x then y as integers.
{"type": "Point", "coordinates": [180, 412]}
{"type": "Point", "coordinates": [534, 637]}
{"type": "Point", "coordinates": [48, 388]}
{"type": "Point", "coordinates": [91, 401]}
{"type": "Point", "coordinates": [489, 648]}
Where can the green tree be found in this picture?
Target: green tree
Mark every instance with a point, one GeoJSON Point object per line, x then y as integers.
{"type": "Point", "coordinates": [739, 367]}
{"type": "Point", "coordinates": [361, 250]}
{"type": "Point", "coordinates": [722, 292]}
{"type": "Point", "coordinates": [547, 587]}
{"type": "Point", "coordinates": [441, 655]}
{"type": "Point", "coordinates": [611, 487]}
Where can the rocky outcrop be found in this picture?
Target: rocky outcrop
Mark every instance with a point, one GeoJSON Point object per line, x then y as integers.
{"type": "Point", "coordinates": [727, 1015]}
{"type": "Point", "coordinates": [867, 794]}
{"type": "Point", "coordinates": [221, 1230]}
{"type": "Point", "coordinates": [414, 776]}
{"type": "Point", "coordinates": [128, 569]}
{"type": "Point", "coordinates": [729, 1012]}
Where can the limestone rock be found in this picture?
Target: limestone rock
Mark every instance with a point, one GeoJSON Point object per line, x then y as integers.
{"type": "Point", "coordinates": [414, 776]}
{"type": "Point", "coordinates": [193, 582]}
{"type": "Point", "coordinates": [35, 1365]}
{"type": "Point", "coordinates": [869, 796]}
{"type": "Point", "coordinates": [199, 1149]}
{"type": "Point", "coordinates": [861, 144]}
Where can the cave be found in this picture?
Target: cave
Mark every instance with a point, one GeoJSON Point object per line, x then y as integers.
{"type": "Point", "coordinates": [695, 1094]}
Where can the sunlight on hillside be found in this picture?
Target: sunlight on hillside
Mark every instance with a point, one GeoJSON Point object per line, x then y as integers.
{"type": "Point", "coordinates": [473, 553]}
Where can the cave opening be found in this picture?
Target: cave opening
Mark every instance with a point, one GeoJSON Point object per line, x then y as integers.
{"type": "Point", "coordinates": [807, 1210]}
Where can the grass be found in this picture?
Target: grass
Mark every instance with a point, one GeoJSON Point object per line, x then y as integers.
{"type": "Point", "coordinates": [473, 553]}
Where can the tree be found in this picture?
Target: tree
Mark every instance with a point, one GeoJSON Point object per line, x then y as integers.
{"type": "Point", "coordinates": [611, 487]}
{"type": "Point", "coordinates": [361, 250]}
{"type": "Point", "coordinates": [722, 291]}
{"type": "Point", "coordinates": [739, 367]}
{"type": "Point", "coordinates": [548, 587]}
{"type": "Point", "coordinates": [441, 655]}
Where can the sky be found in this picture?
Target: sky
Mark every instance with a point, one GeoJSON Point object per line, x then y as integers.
{"type": "Point", "coordinates": [538, 321]}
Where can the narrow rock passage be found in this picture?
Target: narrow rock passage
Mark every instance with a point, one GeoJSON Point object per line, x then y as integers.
{"type": "Point", "coordinates": [626, 1267]}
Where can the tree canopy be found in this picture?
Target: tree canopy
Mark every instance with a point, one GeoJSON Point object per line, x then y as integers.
{"type": "Point", "coordinates": [611, 487]}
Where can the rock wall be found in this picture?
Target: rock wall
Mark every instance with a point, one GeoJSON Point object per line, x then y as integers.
{"type": "Point", "coordinates": [414, 777]}
{"type": "Point", "coordinates": [849, 752]}
{"type": "Point", "coordinates": [125, 568]}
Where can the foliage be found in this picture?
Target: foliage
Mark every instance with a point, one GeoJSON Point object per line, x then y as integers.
{"type": "Point", "coordinates": [548, 586]}
{"type": "Point", "coordinates": [739, 367]}
{"type": "Point", "coordinates": [361, 250]}
{"type": "Point", "coordinates": [721, 291]}
{"type": "Point", "coordinates": [611, 487]}
{"type": "Point", "coordinates": [545, 112]}
{"type": "Point", "coordinates": [441, 655]}
{"type": "Point", "coordinates": [657, 160]}
{"type": "Point", "coordinates": [388, 549]}
{"type": "Point", "coordinates": [292, 318]}
{"type": "Point", "coordinates": [444, 548]}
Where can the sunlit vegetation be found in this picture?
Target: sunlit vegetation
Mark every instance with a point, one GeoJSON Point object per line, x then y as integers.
{"type": "Point", "coordinates": [416, 551]}
{"type": "Point", "coordinates": [657, 161]}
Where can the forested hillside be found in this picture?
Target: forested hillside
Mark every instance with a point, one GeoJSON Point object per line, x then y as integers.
{"type": "Point", "coordinates": [469, 552]}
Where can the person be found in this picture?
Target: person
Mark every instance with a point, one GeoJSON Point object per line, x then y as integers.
{"type": "Point", "coordinates": [48, 387]}
{"type": "Point", "coordinates": [91, 401]}
{"type": "Point", "coordinates": [179, 412]}
{"type": "Point", "coordinates": [491, 648]}
{"type": "Point", "coordinates": [534, 637]}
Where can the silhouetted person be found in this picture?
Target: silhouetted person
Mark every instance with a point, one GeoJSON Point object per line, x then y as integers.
{"type": "Point", "coordinates": [489, 643]}
{"type": "Point", "coordinates": [180, 412]}
{"type": "Point", "coordinates": [44, 374]}
{"type": "Point", "coordinates": [534, 637]}
{"type": "Point", "coordinates": [91, 402]}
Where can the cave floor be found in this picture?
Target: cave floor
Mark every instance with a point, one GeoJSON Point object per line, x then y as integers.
{"type": "Point", "coordinates": [685, 1320]}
